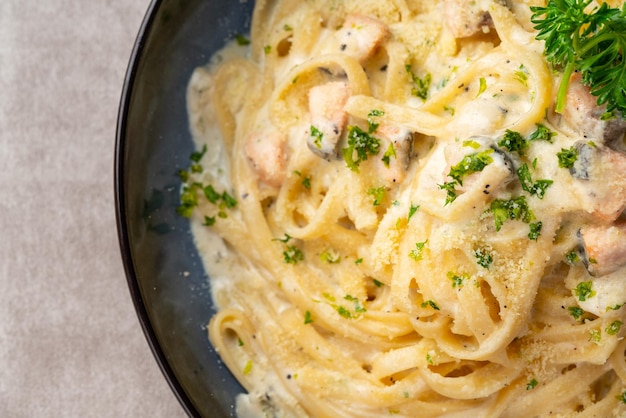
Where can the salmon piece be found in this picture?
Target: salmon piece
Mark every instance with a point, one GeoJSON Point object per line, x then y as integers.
{"type": "Point", "coordinates": [604, 247]}
{"type": "Point", "coordinates": [328, 117]}
{"type": "Point", "coordinates": [465, 18]}
{"type": "Point", "coordinates": [585, 116]}
{"type": "Point", "coordinates": [360, 36]}
{"type": "Point", "coordinates": [602, 175]}
{"type": "Point", "coordinates": [266, 151]}
{"type": "Point", "coordinates": [397, 162]}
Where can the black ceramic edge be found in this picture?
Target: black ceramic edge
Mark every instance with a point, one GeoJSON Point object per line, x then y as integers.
{"type": "Point", "coordinates": [120, 214]}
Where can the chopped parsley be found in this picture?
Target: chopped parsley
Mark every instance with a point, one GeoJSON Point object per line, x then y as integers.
{"type": "Point", "coordinates": [576, 312]}
{"type": "Point", "coordinates": [196, 156]}
{"type": "Point", "coordinates": [378, 283]}
{"type": "Point", "coordinates": [513, 142]}
{"type": "Point", "coordinates": [330, 257]}
{"type": "Point", "coordinates": [584, 291]}
{"type": "Point", "coordinates": [567, 157]}
{"type": "Point", "coordinates": [242, 40]}
{"type": "Point", "coordinates": [458, 280]}
{"type": "Point", "coordinates": [521, 75]}
{"type": "Point", "coordinates": [614, 327]}
{"type": "Point", "coordinates": [535, 230]}
{"type": "Point", "coordinates": [412, 211]}
{"type": "Point", "coordinates": [292, 254]}
{"type": "Point", "coordinates": [209, 220]}
{"type": "Point", "coordinates": [572, 257]}
{"type": "Point", "coordinates": [516, 208]}
{"type": "Point", "coordinates": [430, 303]}
{"type": "Point", "coordinates": [542, 133]}
{"type": "Point", "coordinates": [420, 85]}
{"type": "Point", "coordinates": [537, 188]}
{"type": "Point", "coordinates": [482, 86]}
{"type": "Point", "coordinates": [483, 258]}
{"type": "Point", "coordinates": [418, 253]}
{"type": "Point", "coordinates": [358, 261]}
{"type": "Point", "coordinates": [378, 193]}
{"type": "Point", "coordinates": [471, 163]}
{"type": "Point", "coordinates": [621, 397]}
{"type": "Point", "coordinates": [532, 384]}
{"type": "Point", "coordinates": [371, 124]}
{"type": "Point", "coordinates": [360, 143]}
{"type": "Point", "coordinates": [307, 318]}
{"type": "Point", "coordinates": [391, 152]}
{"type": "Point", "coordinates": [318, 135]}
{"type": "Point", "coordinates": [595, 335]}
{"type": "Point", "coordinates": [247, 369]}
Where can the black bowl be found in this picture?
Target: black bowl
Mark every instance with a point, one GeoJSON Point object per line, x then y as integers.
{"type": "Point", "coordinates": [165, 275]}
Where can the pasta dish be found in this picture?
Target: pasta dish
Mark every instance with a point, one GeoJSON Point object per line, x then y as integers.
{"type": "Point", "coordinates": [399, 218]}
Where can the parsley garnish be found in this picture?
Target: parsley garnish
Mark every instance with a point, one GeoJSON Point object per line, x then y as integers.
{"type": "Point", "coordinates": [513, 141]}
{"type": "Point", "coordinates": [584, 291]}
{"type": "Point", "coordinates": [361, 143]}
{"type": "Point", "coordinates": [621, 397]}
{"type": "Point", "coordinates": [421, 85]}
{"type": "Point", "coordinates": [418, 253]}
{"type": "Point", "coordinates": [242, 40]}
{"type": "Point", "coordinates": [471, 163]}
{"type": "Point", "coordinates": [196, 156]}
{"type": "Point", "coordinates": [378, 193]}
{"type": "Point", "coordinates": [247, 368]}
{"type": "Point", "coordinates": [413, 210]}
{"type": "Point", "coordinates": [532, 384]}
{"type": "Point", "coordinates": [516, 208]}
{"type": "Point", "coordinates": [537, 188]}
{"type": "Point", "coordinates": [483, 258]}
{"type": "Point", "coordinates": [378, 283]}
{"type": "Point", "coordinates": [542, 134]}
{"type": "Point", "coordinates": [576, 312]}
{"type": "Point", "coordinates": [430, 303]}
{"type": "Point", "coordinates": [391, 152]}
{"type": "Point", "coordinates": [330, 257]}
{"type": "Point", "coordinates": [292, 254]}
{"type": "Point", "coordinates": [371, 125]}
{"type": "Point", "coordinates": [458, 280]}
{"type": "Point", "coordinates": [318, 135]}
{"type": "Point", "coordinates": [307, 318]}
{"type": "Point", "coordinates": [614, 327]}
{"type": "Point", "coordinates": [567, 157]}
{"type": "Point", "coordinates": [482, 87]}
{"type": "Point", "coordinates": [590, 42]}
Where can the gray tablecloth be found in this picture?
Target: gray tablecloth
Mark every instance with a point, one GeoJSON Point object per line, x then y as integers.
{"type": "Point", "coordinates": [70, 342]}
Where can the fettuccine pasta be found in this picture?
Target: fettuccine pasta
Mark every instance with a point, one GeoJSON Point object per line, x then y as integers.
{"type": "Point", "coordinates": [396, 222]}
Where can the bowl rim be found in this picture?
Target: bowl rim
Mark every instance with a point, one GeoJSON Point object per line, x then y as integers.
{"type": "Point", "coordinates": [120, 174]}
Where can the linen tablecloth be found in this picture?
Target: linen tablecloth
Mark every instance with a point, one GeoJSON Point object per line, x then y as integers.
{"type": "Point", "coordinates": [70, 342]}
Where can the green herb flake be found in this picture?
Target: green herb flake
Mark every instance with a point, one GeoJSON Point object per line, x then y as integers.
{"type": "Point", "coordinates": [239, 342]}
{"type": "Point", "coordinates": [378, 283]}
{"type": "Point", "coordinates": [458, 280]}
{"type": "Point", "coordinates": [318, 135]}
{"type": "Point", "coordinates": [391, 152]}
{"type": "Point", "coordinates": [542, 133]}
{"type": "Point", "coordinates": [209, 221]}
{"type": "Point", "coordinates": [247, 369]}
{"type": "Point", "coordinates": [567, 157]}
{"type": "Point", "coordinates": [576, 312]}
{"type": "Point", "coordinates": [420, 85]}
{"type": "Point", "coordinates": [418, 253]}
{"type": "Point", "coordinates": [595, 335]}
{"type": "Point", "coordinates": [584, 291]}
{"type": "Point", "coordinates": [378, 193]}
{"type": "Point", "coordinates": [482, 86]}
{"type": "Point", "coordinates": [614, 328]}
{"type": "Point", "coordinates": [513, 142]}
{"type": "Point", "coordinates": [572, 257]}
{"type": "Point", "coordinates": [196, 156]}
{"type": "Point", "coordinates": [470, 164]}
{"type": "Point", "coordinates": [372, 125]}
{"type": "Point", "coordinates": [621, 397]}
{"type": "Point", "coordinates": [532, 384]}
{"type": "Point", "coordinates": [412, 211]}
{"type": "Point", "coordinates": [360, 143]}
{"type": "Point", "coordinates": [512, 209]}
{"type": "Point", "coordinates": [430, 303]}
{"type": "Point", "coordinates": [537, 188]}
{"type": "Point", "coordinates": [358, 261]}
{"type": "Point", "coordinates": [483, 257]}
{"type": "Point", "coordinates": [535, 230]}
{"type": "Point", "coordinates": [521, 75]}
{"type": "Point", "coordinates": [330, 257]}
{"type": "Point", "coordinates": [267, 49]}
{"type": "Point", "coordinates": [307, 318]}
{"type": "Point", "coordinates": [242, 40]}
{"type": "Point", "coordinates": [292, 254]}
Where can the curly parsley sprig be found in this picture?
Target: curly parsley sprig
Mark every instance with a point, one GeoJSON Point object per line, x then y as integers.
{"type": "Point", "coordinates": [592, 42]}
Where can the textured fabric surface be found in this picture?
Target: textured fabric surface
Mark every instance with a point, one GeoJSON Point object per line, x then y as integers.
{"type": "Point", "coordinates": [70, 342]}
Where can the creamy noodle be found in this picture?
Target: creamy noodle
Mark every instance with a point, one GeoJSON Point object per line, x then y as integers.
{"type": "Point", "coordinates": [408, 238]}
